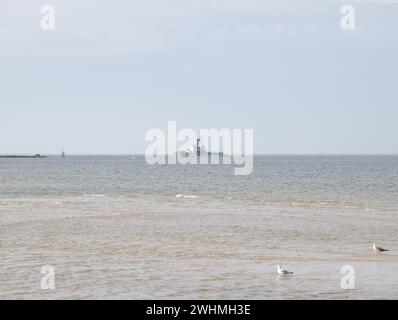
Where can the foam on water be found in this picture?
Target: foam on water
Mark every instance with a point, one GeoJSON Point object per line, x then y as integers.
{"type": "Point", "coordinates": [186, 196]}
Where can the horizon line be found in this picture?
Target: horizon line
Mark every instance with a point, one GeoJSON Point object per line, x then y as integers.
{"type": "Point", "coordinates": [255, 154]}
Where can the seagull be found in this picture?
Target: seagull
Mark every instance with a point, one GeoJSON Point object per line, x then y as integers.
{"type": "Point", "coordinates": [376, 248]}
{"type": "Point", "coordinates": [282, 272]}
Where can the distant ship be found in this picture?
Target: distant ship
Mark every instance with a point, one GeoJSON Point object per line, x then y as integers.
{"type": "Point", "coordinates": [198, 150]}
{"type": "Point", "coordinates": [63, 154]}
{"type": "Point", "coordinates": [194, 150]}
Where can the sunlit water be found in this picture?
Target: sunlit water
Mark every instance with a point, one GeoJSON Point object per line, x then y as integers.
{"type": "Point", "coordinates": [115, 227]}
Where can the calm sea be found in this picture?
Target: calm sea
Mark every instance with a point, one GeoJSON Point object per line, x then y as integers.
{"type": "Point", "coordinates": [116, 227]}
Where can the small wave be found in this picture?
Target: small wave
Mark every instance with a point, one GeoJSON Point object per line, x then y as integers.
{"type": "Point", "coordinates": [185, 196]}
{"type": "Point", "coordinates": [95, 195]}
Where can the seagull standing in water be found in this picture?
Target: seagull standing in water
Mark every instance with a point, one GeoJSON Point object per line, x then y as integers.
{"type": "Point", "coordinates": [283, 272]}
{"type": "Point", "coordinates": [376, 248]}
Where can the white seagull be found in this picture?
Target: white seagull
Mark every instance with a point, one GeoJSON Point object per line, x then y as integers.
{"type": "Point", "coordinates": [376, 248]}
{"type": "Point", "coordinates": [282, 272]}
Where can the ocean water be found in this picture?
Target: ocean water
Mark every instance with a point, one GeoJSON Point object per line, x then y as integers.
{"type": "Point", "coordinates": [114, 227]}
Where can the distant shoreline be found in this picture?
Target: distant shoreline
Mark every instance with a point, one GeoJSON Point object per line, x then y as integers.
{"type": "Point", "coordinates": [36, 156]}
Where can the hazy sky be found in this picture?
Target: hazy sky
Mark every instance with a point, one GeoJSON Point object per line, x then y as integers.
{"type": "Point", "coordinates": [111, 70]}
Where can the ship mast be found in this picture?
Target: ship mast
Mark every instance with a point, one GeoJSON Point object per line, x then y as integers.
{"type": "Point", "coordinates": [198, 147]}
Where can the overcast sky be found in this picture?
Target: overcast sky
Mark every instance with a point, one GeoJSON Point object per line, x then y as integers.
{"type": "Point", "coordinates": [111, 70]}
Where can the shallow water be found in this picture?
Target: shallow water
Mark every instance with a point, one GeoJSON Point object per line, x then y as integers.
{"type": "Point", "coordinates": [115, 227]}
